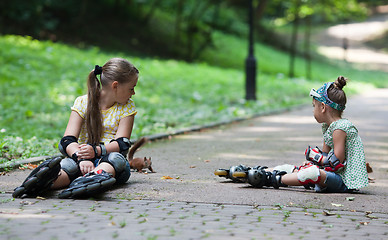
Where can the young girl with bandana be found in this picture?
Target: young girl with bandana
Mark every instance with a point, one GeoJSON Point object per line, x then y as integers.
{"type": "Point", "coordinates": [339, 167]}
{"type": "Point", "coordinates": [96, 139]}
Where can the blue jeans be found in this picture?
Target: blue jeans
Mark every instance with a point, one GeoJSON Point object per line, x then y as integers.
{"type": "Point", "coordinates": [334, 184]}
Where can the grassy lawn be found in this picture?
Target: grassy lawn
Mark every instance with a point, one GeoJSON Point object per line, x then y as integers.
{"type": "Point", "coordinates": [40, 80]}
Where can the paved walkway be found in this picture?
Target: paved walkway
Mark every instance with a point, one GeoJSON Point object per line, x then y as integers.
{"type": "Point", "coordinates": [330, 42]}
{"type": "Point", "coordinates": [196, 204]}
{"type": "Point", "coordinates": [143, 219]}
{"type": "Point", "coordinates": [184, 200]}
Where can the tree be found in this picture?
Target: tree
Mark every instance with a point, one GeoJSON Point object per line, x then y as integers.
{"type": "Point", "coordinates": [296, 4]}
{"type": "Point", "coordinates": [329, 10]}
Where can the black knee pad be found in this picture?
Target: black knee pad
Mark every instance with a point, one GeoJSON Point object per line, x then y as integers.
{"type": "Point", "coordinates": [117, 160]}
{"type": "Point", "coordinates": [71, 168]}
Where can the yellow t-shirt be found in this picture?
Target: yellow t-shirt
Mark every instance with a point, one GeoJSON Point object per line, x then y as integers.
{"type": "Point", "coordinates": [111, 118]}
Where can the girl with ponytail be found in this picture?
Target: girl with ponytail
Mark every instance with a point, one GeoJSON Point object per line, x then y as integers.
{"type": "Point", "coordinates": [96, 139]}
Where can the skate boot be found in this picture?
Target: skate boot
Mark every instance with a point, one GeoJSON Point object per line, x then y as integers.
{"type": "Point", "coordinates": [234, 170]}
{"type": "Point", "coordinates": [258, 177]}
{"type": "Point", "coordinates": [90, 184]}
{"type": "Point", "coordinates": [40, 179]}
{"type": "Point", "coordinates": [275, 179]}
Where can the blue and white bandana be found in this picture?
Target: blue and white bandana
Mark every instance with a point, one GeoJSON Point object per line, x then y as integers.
{"type": "Point", "coordinates": [321, 96]}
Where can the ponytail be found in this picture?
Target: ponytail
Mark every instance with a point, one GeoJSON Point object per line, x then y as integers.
{"type": "Point", "coordinates": [116, 69]}
{"type": "Point", "coordinates": [93, 118]}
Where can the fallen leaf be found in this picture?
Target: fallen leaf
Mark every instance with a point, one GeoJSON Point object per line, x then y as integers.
{"type": "Point", "coordinates": [350, 198]}
{"type": "Point", "coordinates": [166, 177]}
{"type": "Point", "coordinates": [337, 205]}
{"type": "Point", "coordinates": [41, 198]}
{"type": "Point", "coordinates": [364, 223]}
{"type": "Point", "coordinates": [26, 202]}
{"type": "Point", "coordinates": [327, 213]}
{"type": "Point", "coordinates": [369, 168]}
{"type": "Point", "coordinates": [371, 217]}
{"type": "Point", "coordinates": [193, 166]}
{"type": "Point", "coordinates": [32, 166]}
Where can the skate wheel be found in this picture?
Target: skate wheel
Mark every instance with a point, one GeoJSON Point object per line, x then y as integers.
{"type": "Point", "coordinates": [19, 191]}
{"type": "Point", "coordinates": [79, 191]}
{"type": "Point", "coordinates": [93, 187]}
{"type": "Point", "coordinates": [65, 194]}
{"type": "Point", "coordinates": [30, 182]}
{"type": "Point", "coordinates": [239, 174]}
{"type": "Point", "coordinates": [54, 162]}
{"type": "Point", "coordinates": [108, 182]}
{"type": "Point", "coordinates": [42, 172]}
{"type": "Point", "coordinates": [221, 172]}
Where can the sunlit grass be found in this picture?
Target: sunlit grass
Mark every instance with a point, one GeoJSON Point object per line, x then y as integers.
{"type": "Point", "coordinates": [40, 80]}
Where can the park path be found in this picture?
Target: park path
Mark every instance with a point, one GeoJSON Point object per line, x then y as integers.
{"type": "Point", "coordinates": [185, 200]}
{"type": "Point", "coordinates": [330, 41]}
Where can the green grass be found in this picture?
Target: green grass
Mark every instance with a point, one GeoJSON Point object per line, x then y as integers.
{"type": "Point", "coordinates": [40, 80]}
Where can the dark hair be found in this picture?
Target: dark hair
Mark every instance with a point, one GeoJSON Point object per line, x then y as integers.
{"type": "Point", "coordinates": [116, 69]}
{"type": "Point", "coordinates": [335, 92]}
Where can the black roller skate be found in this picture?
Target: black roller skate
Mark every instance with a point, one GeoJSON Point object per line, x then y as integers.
{"type": "Point", "coordinates": [40, 179]}
{"type": "Point", "coordinates": [89, 185]}
{"type": "Point", "coordinates": [231, 172]}
{"type": "Point", "coordinates": [258, 177]}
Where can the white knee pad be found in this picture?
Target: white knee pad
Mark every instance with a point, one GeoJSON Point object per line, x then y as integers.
{"type": "Point", "coordinates": [288, 168]}
{"type": "Point", "coordinates": [309, 174]}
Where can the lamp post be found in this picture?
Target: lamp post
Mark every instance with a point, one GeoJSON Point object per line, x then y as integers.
{"type": "Point", "coordinates": [250, 62]}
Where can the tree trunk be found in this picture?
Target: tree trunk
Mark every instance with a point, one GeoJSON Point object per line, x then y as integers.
{"type": "Point", "coordinates": [178, 21]}
{"type": "Point", "coordinates": [307, 47]}
{"type": "Point", "coordinates": [294, 39]}
{"type": "Point", "coordinates": [260, 10]}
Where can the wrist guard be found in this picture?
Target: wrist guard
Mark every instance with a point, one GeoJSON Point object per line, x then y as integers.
{"type": "Point", "coordinates": [75, 156]}
{"type": "Point", "coordinates": [103, 149]}
{"type": "Point", "coordinates": [314, 155]}
{"type": "Point", "coordinates": [332, 163]}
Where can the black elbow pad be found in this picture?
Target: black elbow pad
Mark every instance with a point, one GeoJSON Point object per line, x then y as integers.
{"type": "Point", "coordinates": [66, 141]}
{"type": "Point", "coordinates": [124, 143]}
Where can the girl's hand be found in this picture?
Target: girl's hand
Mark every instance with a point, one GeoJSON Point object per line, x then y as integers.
{"type": "Point", "coordinates": [86, 166]}
{"type": "Point", "coordinates": [86, 152]}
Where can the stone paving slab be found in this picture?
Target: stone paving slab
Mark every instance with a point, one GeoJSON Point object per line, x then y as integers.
{"type": "Point", "coordinates": [40, 218]}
